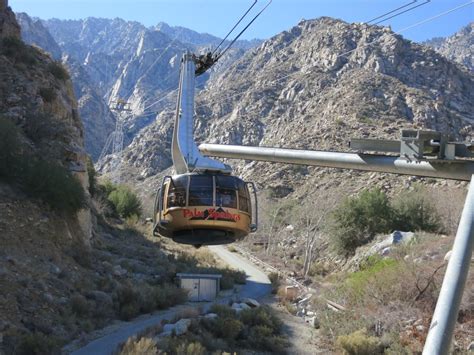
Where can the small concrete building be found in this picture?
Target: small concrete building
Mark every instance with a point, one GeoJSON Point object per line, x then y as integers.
{"type": "Point", "coordinates": [201, 287]}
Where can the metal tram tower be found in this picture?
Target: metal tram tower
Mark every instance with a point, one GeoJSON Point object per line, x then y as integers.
{"type": "Point", "coordinates": [114, 143]}
{"type": "Point", "coordinates": [421, 153]}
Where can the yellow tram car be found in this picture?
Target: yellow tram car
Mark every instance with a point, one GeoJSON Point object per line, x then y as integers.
{"type": "Point", "coordinates": [205, 209]}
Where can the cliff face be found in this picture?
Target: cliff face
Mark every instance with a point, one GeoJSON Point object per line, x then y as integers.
{"type": "Point", "coordinates": [36, 94]}
{"type": "Point", "coordinates": [33, 32]}
{"type": "Point", "coordinates": [8, 25]}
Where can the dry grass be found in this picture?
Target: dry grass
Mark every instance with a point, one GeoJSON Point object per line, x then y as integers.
{"type": "Point", "coordinates": [143, 346]}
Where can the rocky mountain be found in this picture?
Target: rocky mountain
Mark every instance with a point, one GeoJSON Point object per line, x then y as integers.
{"type": "Point", "coordinates": [97, 117]}
{"type": "Point", "coordinates": [117, 59]}
{"type": "Point", "coordinates": [34, 32]}
{"type": "Point", "coordinates": [314, 87]}
{"type": "Point", "coordinates": [185, 35]}
{"type": "Point", "coordinates": [458, 47]}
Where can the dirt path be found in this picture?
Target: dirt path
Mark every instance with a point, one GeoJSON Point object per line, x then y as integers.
{"type": "Point", "coordinates": [303, 338]}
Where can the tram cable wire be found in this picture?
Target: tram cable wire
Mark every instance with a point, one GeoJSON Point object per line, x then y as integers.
{"type": "Point", "coordinates": [340, 55]}
{"type": "Point", "coordinates": [241, 32]}
{"type": "Point", "coordinates": [403, 12]}
{"type": "Point", "coordinates": [391, 12]}
{"type": "Point", "coordinates": [233, 28]}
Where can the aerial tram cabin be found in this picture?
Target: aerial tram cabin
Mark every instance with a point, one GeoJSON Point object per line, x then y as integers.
{"type": "Point", "coordinates": [205, 209]}
{"type": "Point", "coordinates": [203, 204]}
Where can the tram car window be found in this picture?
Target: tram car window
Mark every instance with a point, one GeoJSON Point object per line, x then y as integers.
{"type": "Point", "coordinates": [177, 192]}
{"type": "Point", "coordinates": [226, 189]}
{"type": "Point", "coordinates": [244, 197]}
{"type": "Point", "coordinates": [201, 190]}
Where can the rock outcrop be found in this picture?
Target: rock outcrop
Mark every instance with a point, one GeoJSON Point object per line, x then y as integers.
{"type": "Point", "coordinates": [33, 32]}
{"type": "Point", "coordinates": [8, 25]}
{"type": "Point", "coordinates": [458, 47]}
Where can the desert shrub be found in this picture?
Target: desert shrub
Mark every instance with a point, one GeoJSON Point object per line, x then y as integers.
{"type": "Point", "coordinates": [318, 268]}
{"type": "Point", "coordinates": [414, 212]}
{"type": "Point", "coordinates": [58, 71]}
{"type": "Point", "coordinates": [129, 310]}
{"type": "Point", "coordinates": [108, 187]}
{"type": "Point", "coordinates": [223, 311]}
{"type": "Point", "coordinates": [92, 174]}
{"type": "Point", "coordinates": [15, 49]}
{"type": "Point", "coordinates": [79, 305]}
{"type": "Point", "coordinates": [230, 277]}
{"type": "Point", "coordinates": [261, 316]}
{"type": "Point", "coordinates": [125, 201]}
{"type": "Point", "coordinates": [9, 148]}
{"type": "Point", "coordinates": [274, 278]}
{"type": "Point", "coordinates": [262, 337]}
{"type": "Point", "coordinates": [143, 346]}
{"type": "Point", "coordinates": [193, 348]}
{"type": "Point", "coordinates": [37, 344]}
{"type": "Point", "coordinates": [358, 219]}
{"type": "Point", "coordinates": [227, 328]}
{"type": "Point", "coordinates": [127, 299]}
{"type": "Point", "coordinates": [359, 343]}
{"type": "Point", "coordinates": [48, 94]}
{"type": "Point", "coordinates": [169, 295]}
{"type": "Point", "coordinates": [53, 184]}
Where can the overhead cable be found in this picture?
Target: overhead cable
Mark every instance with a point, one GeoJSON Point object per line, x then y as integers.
{"type": "Point", "coordinates": [390, 12]}
{"type": "Point", "coordinates": [233, 28]}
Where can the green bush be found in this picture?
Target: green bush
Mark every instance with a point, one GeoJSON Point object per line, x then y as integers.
{"type": "Point", "coordinates": [223, 311]}
{"type": "Point", "coordinates": [79, 305]}
{"type": "Point", "coordinates": [133, 299]}
{"type": "Point", "coordinates": [275, 280]}
{"type": "Point", "coordinates": [15, 49]}
{"type": "Point", "coordinates": [414, 212]}
{"type": "Point", "coordinates": [38, 344]}
{"type": "Point", "coordinates": [261, 316]}
{"type": "Point", "coordinates": [261, 337]}
{"type": "Point", "coordinates": [230, 277]}
{"type": "Point", "coordinates": [48, 94]}
{"type": "Point", "coordinates": [9, 148]}
{"type": "Point", "coordinates": [357, 220]}
{"type": "Point", "coordinates": [359, 343]}
{"type": "Point", "coordinates": [125, 201]}
{"type": "Point", "coordinates": [227, 328]}
{"type": "Point", "coordinates": [58, 71]}
{"type": "Point", "coordinates": [92, 176]}
{"type": "Point", "coordinates": [41, 179]}
{"type": "Point", "coordinates": [53, 184]}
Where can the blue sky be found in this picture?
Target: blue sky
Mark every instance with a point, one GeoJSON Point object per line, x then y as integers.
{"type": "Point", "coordinates": [217, 16]}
